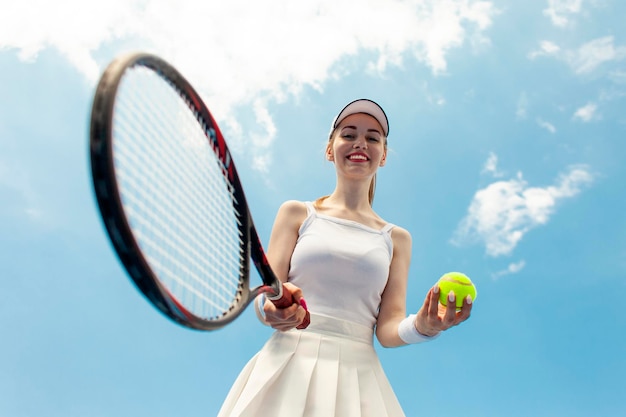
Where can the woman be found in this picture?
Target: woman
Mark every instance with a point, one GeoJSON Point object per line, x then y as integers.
{"type": "Point", "coordinates": [352, 266]}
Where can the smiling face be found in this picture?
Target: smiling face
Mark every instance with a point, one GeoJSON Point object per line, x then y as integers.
{"type": "Point", "coordinates": [358, 145]}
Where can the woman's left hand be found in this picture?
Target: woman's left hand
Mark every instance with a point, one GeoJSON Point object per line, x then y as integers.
{"type": "Point", "coordinates": [433, 317]}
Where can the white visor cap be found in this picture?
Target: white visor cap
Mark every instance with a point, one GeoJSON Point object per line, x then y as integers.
{"type": "Point", "coordinates": [366, 106]}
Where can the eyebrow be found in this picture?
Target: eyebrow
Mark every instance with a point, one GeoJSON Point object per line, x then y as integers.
{"type": "Point", "coordinates": [354, 127]}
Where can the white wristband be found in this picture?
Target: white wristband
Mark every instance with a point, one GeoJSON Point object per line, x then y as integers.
{"type": "Point", "coordinates": [259, 301]}
{"type": "Point", "coordinates": [409, 334]}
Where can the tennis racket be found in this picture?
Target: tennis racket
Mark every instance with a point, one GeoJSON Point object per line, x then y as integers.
{"type": "Point", "coordinates": [170, 196]}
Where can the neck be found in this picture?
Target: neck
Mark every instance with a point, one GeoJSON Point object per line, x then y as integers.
{"type": "Point", "coordinates": [354, 197]}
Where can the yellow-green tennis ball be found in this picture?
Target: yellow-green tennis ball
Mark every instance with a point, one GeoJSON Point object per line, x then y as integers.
{"type": "Point", "coordinates": [460, 284]}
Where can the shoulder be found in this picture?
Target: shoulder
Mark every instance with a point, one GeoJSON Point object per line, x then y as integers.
{"type": "Point", "coordinates": [401, 238]}
{"type": "Point", "coordinates": [293, 208]}
{"type": "Point", "coordinates": [292, 212]}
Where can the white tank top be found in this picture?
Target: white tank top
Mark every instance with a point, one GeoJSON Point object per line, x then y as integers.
{"type": "Point", "coordinates": [341, 266]}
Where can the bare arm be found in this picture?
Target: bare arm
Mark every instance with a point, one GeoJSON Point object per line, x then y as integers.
{"type": "Point", "coordinates": [393, 304]}
{"type": "Point", "coordinates": [431, 319]}
{"type": "Point", "coordinates": [284, 235]}
{"type": "Point", "coordinates": [282, 242]}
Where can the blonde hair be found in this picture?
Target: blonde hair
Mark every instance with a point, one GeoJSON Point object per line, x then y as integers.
{"type": "Point", "coordinates": [372, 190]}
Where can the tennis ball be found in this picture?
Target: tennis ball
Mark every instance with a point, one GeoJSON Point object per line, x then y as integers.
{"type": "Point", "coordinates": [461, 285]}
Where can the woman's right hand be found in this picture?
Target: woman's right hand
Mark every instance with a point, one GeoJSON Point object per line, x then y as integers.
{"type": "Point", "coordinates": [287, 318]}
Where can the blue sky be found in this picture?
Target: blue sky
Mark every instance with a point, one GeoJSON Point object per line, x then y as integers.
{"type": "Point", "coordinates": [506, 162]}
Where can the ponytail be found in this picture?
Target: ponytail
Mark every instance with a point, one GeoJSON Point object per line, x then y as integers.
{"type": "Point", "coordinates": [370, 194]}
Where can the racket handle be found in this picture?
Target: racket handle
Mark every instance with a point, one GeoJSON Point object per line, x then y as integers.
{"type": "Point", "coordinates": [286, 301]}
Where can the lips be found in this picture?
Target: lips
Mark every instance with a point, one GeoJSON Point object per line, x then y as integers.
{"type": "Point", "coordinates": [358, 157]}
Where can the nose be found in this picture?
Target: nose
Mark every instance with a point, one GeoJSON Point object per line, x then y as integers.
{"type": "Point", "coordinates": [360, 143]}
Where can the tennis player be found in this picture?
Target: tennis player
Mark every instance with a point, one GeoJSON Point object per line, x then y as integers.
{"type": "Point", "coordinates": [352, 268]}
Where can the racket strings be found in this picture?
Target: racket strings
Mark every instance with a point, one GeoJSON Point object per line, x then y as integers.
{"type": "Point", "coordinates": [185, 246]}
{"type": "Point", "coordinates": [186, 188]}
{"type": "Point", "coordinates": [177, 199]}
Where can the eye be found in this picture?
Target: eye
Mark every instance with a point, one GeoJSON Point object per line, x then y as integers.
{"type": "Point", "coordinates": [373, 139]}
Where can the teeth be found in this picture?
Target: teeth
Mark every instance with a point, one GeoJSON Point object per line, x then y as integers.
{"type": "Point", "coordinates": [360, 157]}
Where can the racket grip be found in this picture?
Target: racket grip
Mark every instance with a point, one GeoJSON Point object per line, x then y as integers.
{"type": "Point", "coordinates": [286, 301]}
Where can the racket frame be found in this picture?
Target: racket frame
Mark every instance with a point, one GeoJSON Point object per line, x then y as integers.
{"type": "Point", "coordinates": [112, 211]}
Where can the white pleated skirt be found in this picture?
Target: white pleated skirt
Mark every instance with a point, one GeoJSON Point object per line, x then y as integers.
{"type": "Point", "coordinates": [329, 369]}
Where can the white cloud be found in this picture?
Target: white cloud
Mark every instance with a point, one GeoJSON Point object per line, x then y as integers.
{"type": "Point", "coordinates": [434, 98]}
{"type": "Point", "coordinates": [587, 58]}
{"type": "Point", "coordinates": [546, 48]}
{"type": "Point", "coordinates": [618, 76]}
{"type": "Point", "coordinates": [239, 51]}
{"type": "Point", "coordinates": [546, 125]}
{"type": "Point", "coordinates": [73, 27]}
{"type": "Point", "coordinates": [491, 166]}
{"type": "Point", "coordinates": [560, 11]}
{"type": "Point", "coordinates": [593, 54]}
{"type": "Point", "coordinates": [513, 268]}
{"type": "Point", "coordinates": [262, 140]}
{"type": "Point", "coordinates": [503, 212]}
{"type": "Point", "coordinates": [586, 113]}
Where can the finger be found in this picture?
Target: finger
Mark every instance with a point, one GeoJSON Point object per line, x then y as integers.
{"type": "Point", "coordinates": [450, 314]}
{"type": "Point", "coordinates": [427, 320]}
{"type": "Point", "coordinates": [434, 301]}
{"type": "Point", "coordinates": [283, 327]}
{"type": "Point", "coordinates": [274, 313]}
{"type": "Point", "coordinates": [299, 320]}
{"type": "Point", "coordinates": [296, 292]}
{"type": "Point", "coordinates": [423, 311]}
{"type": "Point", "coordinates": [306, 317]}
{"type": "Point", "coordinates": [466, 310]}
{"type": "Point", "coordinates": [287, 299]}
{"type": "Point", "coordinates": [302, 312]}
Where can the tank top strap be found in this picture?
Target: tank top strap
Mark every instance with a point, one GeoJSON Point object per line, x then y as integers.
{"type": "Point", "coordinates": [310, 216]}
{"type": "Point", "coordinates": [309, 208]}
{"type": "Point", "coordinates": [386, 233]}
{"type": "Point", "coordinates": [387, 228]}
